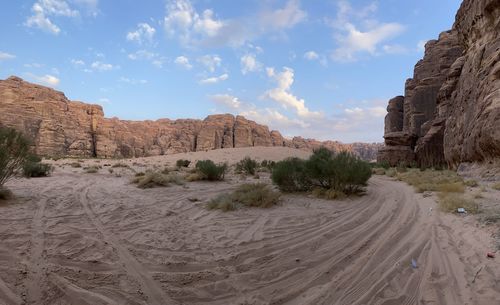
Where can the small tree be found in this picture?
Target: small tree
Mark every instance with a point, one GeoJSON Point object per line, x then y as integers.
{"type": "Point", "coordinates": [290, 175]}
{"type": "Point", "coordinates": [14, 150]}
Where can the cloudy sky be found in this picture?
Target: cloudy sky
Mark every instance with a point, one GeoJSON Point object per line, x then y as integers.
{"type": "Point", "coordinates": [318, 68]}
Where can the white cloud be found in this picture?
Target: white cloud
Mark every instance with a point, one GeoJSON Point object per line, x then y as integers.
{"type": "Point", "coordinates": [78, 62]}
{"type": "Point", "coordinates": [283, 18]}
{"type": "Point", "coordinates": [143, 34]}
{"type": "Point", "coordinates": [226, 100]}
{"type": "Point", "coordinates": [352, 40]}
{"type": "Point", "coordinates": [249, 63]}
{"type": "Point", "coordinates": [195, 28]}
{"type": "Point", "coordinates": [183, 61]}
{"type": "Point", "coordinates": [45, 79]}
{"type": "Point", "coordinates": [132, 81]}
{"type": "Point", "coordinates": [104, 100]}
{"type": "Point", "coordinates": [42, 9]}
{"type": "Point", "coordinates": [421, 45]}
{"type": "Point", "coordinates": [183, 20]}
{"type": "Point", "coordinates": [284, 97]}
{"type": "Point", "coordinates": [394, 49]}
{"type": "Point", "coordinates": [6, 56]}
{"type": "Point", "coordinates": [154, 58]}
{"type": "Point", "coordinates": [214, 80]}
{"type": "Point", "coordinates": [100, 66]}
{"type": "Point", "coordinates": [311, 55]}
{"type": "Point", "coordinates": [274, 119]}
{"type": "Point", "coordinates": [211, 62]}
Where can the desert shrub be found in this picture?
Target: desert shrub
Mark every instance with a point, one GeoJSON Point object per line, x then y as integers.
{"type": "Point", "coordinates": [451, 203]}
{"type": "Point", "coordinates": [92, 169]}
{"type": "Point", "coordinates": [452, 187]}
{"type": "Point", "coordinates": [431, 180]}
{"type": "Point", "coordinates": [140, 174]}
{"type": "Point", "coordinates": [471, 183]}
{"type": "Point", "coordinates": [211, 171]}
{"type": "Point", "coordinates": [5, 194]}
{"type": "Point", "coordinates": [290, 175]}
{"type": "Point", "coordinates": [120, 164]}
{"type": "Point", "coordinates": [76, 165]}
{"type": "Point", "coordinates": [14, 151]}
{"type": "Point", "coordinates": [156, 179]}
{"type": "Point", "coordinates": [378, 171]}
{"type": "Point", "coordinates": [329, 194]}
{"type": "Point", "coordinates": [267, 164]}
{"type": "Point", "coordinates": [33, 167]}
{"type": "Point", "coordinates": [496, 186]}
{"type": "Point", "coordinates": [391, 172]}
{"type": "Point", "coordinates": [342, 172]}
{"type": "Point", "coordinates": [250, 195]}
{"type": "Point", "coordinates": [182, 163]}
{"type": "Point", "coordinates": [383, 164]}
{"type": "Point", "coordinates": [247, 166]}
{"type": "Point", "coordinates": [196, 176]}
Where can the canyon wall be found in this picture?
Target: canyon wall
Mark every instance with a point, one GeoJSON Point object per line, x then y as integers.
{"type": "Point", "coordinates": [450, 112]}
{"type": "Point", "coordinates": [59, 127]}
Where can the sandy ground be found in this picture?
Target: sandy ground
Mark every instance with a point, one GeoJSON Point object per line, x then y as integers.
{"type": "Point", "coordinates": [78, 238]}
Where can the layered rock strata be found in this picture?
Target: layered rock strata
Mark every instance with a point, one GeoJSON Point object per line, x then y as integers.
{"type": "Point", "coordinates": [60, 127]}
{"type": "Point", "coordinates": [451, 107]}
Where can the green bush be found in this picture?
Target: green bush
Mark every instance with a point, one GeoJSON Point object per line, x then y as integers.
{"type": "Point", "coordinates": [341, 172]}
{"type": "Point", "coordinates": [182, 163]}
{"type": "Point", "coordinates": [250, 195]}
{"type": "Point", "coordinates": [247, 166]}
{"type": "Point", "coordinates": [267, 164]}
{"type": "Point", "coordinates": [211, 171]}
{"type": "Point", "coordinates": [33, 167]}
{"type": "Point", "coordinates": [5, 194]}
{"type": "Point", "coordinates": [14, 151]}
{"type": "Point", "coordinates": [290, 175]}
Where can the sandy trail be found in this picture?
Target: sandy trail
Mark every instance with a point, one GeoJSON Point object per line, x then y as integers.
{"type": "Point", "coordinates": [78, 238]}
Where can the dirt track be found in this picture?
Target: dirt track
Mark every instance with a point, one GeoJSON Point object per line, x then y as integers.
{"type": "Point", "coordinates": [96, 239]}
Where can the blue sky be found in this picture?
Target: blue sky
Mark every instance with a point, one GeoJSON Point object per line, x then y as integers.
{"type": "Point", "coordinates": [322, 69]}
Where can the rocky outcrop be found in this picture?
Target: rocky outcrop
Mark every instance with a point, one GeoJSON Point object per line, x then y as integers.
{"type": "Point", "coordinates": [59, 127]}
{"type": "Point", "coordinates": [451, 109]}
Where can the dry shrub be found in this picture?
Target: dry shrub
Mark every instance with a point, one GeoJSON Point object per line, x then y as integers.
{"type": "Point", "coordinates": [432, 180]}
{"type": "Point", "coordinates": [92, 169]}
{"type": "Point", "coordinates": [330, 194]}
{"type": "Point", "coordinates": [75, 165]}
{"type": "Point", "coordinates": [454, 187]}
{"type": "Point", "coordinates": [496, 186]}
{"type": "Point", "coordinates": [120, 164]}
{"type": "Point", "coordinates": [250, 195]}
{"type": "Point", "coordinates": [378, 171]}
{"type": "Point", "coordinates": [157, 179]}
{"type": "Point", "coordinates": [391, 172]}
{"type": "Point", "coordinates": [471, 183]}
{"type": "Point", "coordinates": [5, 194]}
{"type": "Point", "coordinates": [451, 203]}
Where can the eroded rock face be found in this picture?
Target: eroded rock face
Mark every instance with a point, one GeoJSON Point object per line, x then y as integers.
{"type": "Point", "coordinates": [59, 127]}
{"type": "Point", "coordinates": [452, 104]}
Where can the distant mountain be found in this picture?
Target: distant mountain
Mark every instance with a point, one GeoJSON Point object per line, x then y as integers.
{"type": "Point", "coordinates": [60, 127]}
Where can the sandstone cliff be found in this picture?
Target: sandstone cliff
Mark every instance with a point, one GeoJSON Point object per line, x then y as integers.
{"type": "Point", "coordinates": [451, 109]}
{"type": "Point", "coordinates": [60, 127]}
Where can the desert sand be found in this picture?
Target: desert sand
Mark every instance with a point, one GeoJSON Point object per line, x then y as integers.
{"type": "Point", "coordinates": [80, 238]}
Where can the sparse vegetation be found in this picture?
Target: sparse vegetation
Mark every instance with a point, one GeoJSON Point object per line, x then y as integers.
{"type": "Point", "coordinates": [182, 163]}
{"type": "Point", "coordinates": [120, 164]}
{"type": "Point", "coordinates": [5, 194]}
{"type": "Point", "coordinates": [433, 180]}
{"type": "Point", "coordinates": [14, 151]}
{"type": "Point", "coordinates": [496, 186]}
{"type": "Point", "coordinates": [33, 167]}
{"type": "Point", "coordinates": [75, 165]}
{"type": "Point", "coordinates": [451, 203]}
{"type": "Point", "coordinates": [342, 172]}
{"type": "Point", "coordinates": [208, 170]}
{"type": "Point", "coordinates": [157, 179]}
{"type": "Point", "coordinates": [250, 195]}
{"type": "Point", "coordinates": [247, 166]}
{"type": "Point", "coordinates": [378, 171]}
{"type": "Point", "coordinates": [471, 183]}
{"type": "Point", "coordinates": [92, 169]}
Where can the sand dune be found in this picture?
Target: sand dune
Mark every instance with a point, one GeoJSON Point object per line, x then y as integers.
{"type": "Point", "coordinates": [77, 238]}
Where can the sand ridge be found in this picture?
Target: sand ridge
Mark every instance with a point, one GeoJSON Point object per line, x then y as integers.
{"type": "Point", "coordinates": [77, 238]}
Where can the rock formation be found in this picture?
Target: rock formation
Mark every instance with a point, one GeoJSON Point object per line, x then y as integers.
{"type": "Point", "coordinates": [59, 127]}
{"type": "Point", "coordinates": [451, 109]}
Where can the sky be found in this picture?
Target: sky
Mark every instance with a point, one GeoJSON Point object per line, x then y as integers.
{"type": "Point", "coordinates": [321, 69]}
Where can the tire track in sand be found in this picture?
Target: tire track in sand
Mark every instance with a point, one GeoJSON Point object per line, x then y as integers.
{"type": "Point", "coordinates": [154, 293]}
